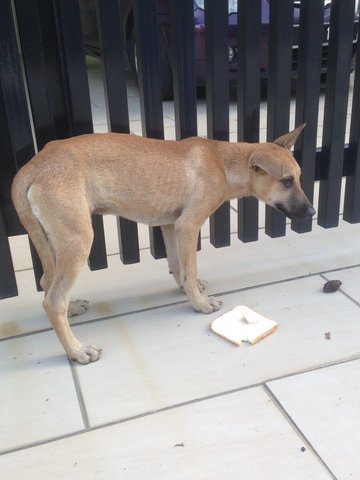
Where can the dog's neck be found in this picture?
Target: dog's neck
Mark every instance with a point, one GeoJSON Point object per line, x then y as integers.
{"type": "Point", "coordinates": [235, 157]}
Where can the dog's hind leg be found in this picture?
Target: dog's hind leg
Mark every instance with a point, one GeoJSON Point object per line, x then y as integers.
{"type": "Point", "coordinates": [172, 254]}
{"type": "Point", "coordinates": [70, 260]}
{"type": "Point", "coordinates": [38, 231]}
{"type": "Point", "coordinates": [71, 246]}
{"type": "Point", "coordinates": [76, 307]}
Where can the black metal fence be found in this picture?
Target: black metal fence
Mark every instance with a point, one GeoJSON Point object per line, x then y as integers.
{"type": "Point", "coordinates": [44, 94]}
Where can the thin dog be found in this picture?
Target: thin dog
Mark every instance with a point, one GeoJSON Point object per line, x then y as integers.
{"type": "Point", "coordinates": [174, 184]}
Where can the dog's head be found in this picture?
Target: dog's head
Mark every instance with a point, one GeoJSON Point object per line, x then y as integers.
{"type": "Point", "coordinates": [275, 177]}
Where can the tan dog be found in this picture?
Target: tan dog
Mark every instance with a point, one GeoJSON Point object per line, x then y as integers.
{"type": "Point", "coordinates": [175, 184]}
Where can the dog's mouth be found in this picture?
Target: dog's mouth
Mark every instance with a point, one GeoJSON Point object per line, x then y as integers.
{"type": "Point", "coordinates": [300, 213]}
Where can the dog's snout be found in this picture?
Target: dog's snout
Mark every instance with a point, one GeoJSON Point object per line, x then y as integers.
{"type": "Point", "coordinates": [297, 212]}
{"type": "Point", "coordinates": [310, 211]}
{"type": "Point", "coordinates": [307, 211]}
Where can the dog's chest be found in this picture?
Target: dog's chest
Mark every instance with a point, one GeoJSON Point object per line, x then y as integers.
{"type": "Point", "coordinates": [149, 213]}
{"type": "Point", "coordinates": [151, 219]}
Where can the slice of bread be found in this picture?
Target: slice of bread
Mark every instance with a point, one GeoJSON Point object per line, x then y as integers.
{"type": "Point", "coordinates": [243, 325]}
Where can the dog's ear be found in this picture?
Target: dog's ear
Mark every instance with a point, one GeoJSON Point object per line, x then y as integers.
{"type": "Point", "coordinates": [268, 163]}
{"type": "Point", "coordinates": [288, 140]}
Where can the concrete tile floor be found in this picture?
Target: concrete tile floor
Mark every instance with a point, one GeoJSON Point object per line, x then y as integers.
{"type": "Point", "coordinates": [169, 399]}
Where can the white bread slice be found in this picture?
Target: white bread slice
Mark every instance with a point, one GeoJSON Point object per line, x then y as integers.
{"type": "Point", "coordinates": [243, 325]}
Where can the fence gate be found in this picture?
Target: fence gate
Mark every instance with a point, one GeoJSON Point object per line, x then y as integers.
{"type": "Point", "coordinates": [44, 94]}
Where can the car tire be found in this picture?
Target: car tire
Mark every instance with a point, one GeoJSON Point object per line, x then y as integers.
{"type": "Point", "coordinates": [165, 67]}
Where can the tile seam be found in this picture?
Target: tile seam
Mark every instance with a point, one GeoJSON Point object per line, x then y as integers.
{"type": "Point", "coordinates": [276, 402]}
{"type": "Point", "coordinates": [79, 394]}
{"type": "Point", "coordinates": [182, 302]}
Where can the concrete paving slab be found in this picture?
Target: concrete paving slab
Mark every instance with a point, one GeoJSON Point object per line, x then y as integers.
{"type": "Point", "coordinates": [324, 404]}
{"type": "Point", "coordinates": [38, 399]}
{"type": "Point", "coordinates": [169, 355]}
{"type": "Point", "coordinates": [241, 435]}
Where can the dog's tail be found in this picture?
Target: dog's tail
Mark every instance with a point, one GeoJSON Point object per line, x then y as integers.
{"type": "Point", "coordinates": [19, 193]}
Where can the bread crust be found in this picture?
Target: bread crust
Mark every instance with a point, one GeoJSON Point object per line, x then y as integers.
{"type": "Point", "coordinates": [242, 324]}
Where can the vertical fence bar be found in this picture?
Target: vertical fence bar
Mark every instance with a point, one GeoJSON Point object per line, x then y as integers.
{"type": "Point", "coordinates": [336, 96]}
{"type": "Point", "coordinates": [56, 84]}
{"type": "Point", "coordinates": [27, 13]}
{"type": "Point", "coordinates": [8, 286]}
{"type": "Point", "coordinates": [352, 189]}
{"type": "Point", "coordinates": [8, 166]}
{"type": "Point", "coordinates": [249, 33]}
{"type": "Point", "coordinates": [13, 90]}
{"type": "Point", "coordinates": [147, 47]}
{"type": "Point", "coordinates": [279, 90]}
{"type": "Point", "coordinates": [16, 145]}
{"type": "Point", "coordinates": [311, 35]}
{"type": "Point", "coordinates": [183, 67]}
{"type": "Point", "coordinates": [112, 47]}
{"type": "Point", "coordinates": [74, 65]}
{"type": "Point", "coordinates": [217, 99]}
{"type": "Point", "coordinates": [28, 19]}
{"type": "Point", "coordinates": [74, 71]}
{"type": "Point", "coordinates": [111, 40]}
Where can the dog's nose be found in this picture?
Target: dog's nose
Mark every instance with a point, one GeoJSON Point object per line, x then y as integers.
{"type": "Point", "coordinates": [310, 211]}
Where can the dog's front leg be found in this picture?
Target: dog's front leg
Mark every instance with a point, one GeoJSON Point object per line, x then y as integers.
{"type": "Point", "coordinates": [172, 254]}
{"type": "Point", "coordinates": [168, 232]}
{"type": "Point", "coordinates": [187, 236]}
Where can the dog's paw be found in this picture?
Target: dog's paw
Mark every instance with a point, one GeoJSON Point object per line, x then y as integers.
{"type": "Point", "coordinates": [85, 354]}
{"type": "Point", "coordinates": [210, 305]}
{"type": "Point", "coordinates": [202, 284]}
{"type": "Point", "coordinates": [77, 307]}
{"type": "Point", "coordinates": [215, 303]}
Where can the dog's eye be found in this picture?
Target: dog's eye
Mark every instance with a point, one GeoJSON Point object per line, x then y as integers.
{"type": "Point", "coordinates": [287, 182]}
